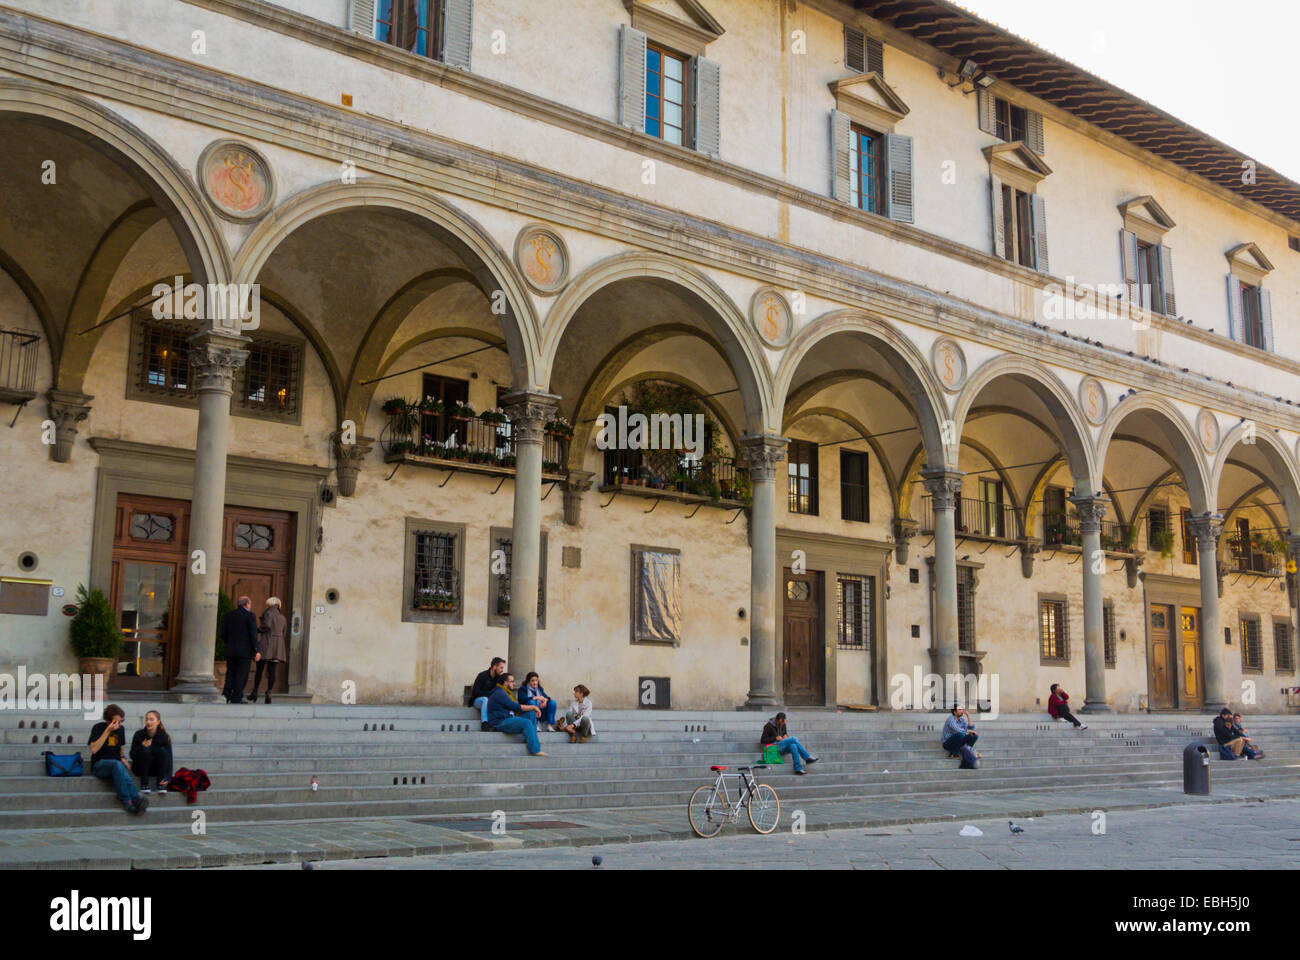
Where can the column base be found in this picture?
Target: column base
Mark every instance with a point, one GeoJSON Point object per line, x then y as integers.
{"type": "Point", "coordinates": [195, 690]}
{"type": "Point", "coordinates": [1094, 707]}
{"type": "Point", "coordinates": [760, 701]}
{"type": "Point", "coordinates": [1214, 706]}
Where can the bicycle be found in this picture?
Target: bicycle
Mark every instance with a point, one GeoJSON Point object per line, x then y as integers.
{"type": "Point", "coordinates": [711, 807]}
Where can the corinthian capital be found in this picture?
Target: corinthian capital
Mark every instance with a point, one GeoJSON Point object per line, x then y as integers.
{"type": "Point", "coordinates": [1091, 511]}
{"type": "Point", "coordinates": [348, 459]}
{"type": "Point", "coordinates": [1206, 528]}
{"type": "Point", "coordinates": [943, 485]}
{"type": "Point", "coordinates": [215, 356]}
{"type": "Point", "coordinates": [68, 409]}
{"type": "Point", "coordinates": [529, 411]}
{"type": "Point", "coordinates": [763, 454]}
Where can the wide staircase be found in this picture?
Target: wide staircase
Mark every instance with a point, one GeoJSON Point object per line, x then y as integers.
{"type": "Point", "coordinates": [435, 764]}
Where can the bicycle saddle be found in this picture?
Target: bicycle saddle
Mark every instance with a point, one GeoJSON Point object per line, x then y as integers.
{"type": "Point", "coordinates": [717, 768]}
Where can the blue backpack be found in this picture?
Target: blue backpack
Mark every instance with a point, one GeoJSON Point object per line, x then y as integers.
{"type": "Point", "coordinates": [62, 764]}
{"type": "Point", "coordinates": [968, 759]}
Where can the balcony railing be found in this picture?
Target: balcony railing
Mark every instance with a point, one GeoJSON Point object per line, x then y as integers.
{"type": "Point", "coordinates": [1263, 552]}
{"type": "Point", "coordinates": [981, 519]}
{"type": "Point", "coordinates": [18, 352]}
{"type": "Point", "coordinates": [1060, 530]}
{"type": "Point", "coordinates": [481, 441]}
{"type": "Point", "coordinates": [713, 477]}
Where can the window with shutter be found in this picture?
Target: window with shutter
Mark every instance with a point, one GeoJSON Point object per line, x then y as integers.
{"type": "Point", "coordinates": [899, 152]}
{"type": "Point", "coordinates": [411, 25]}
{"type": "Point", "coordinates": [457, 32]}
{"type": "Point", "coordinates": [632, 78]}
{"type": "Point", "coordinates": [841, 146]}
{"type": "Point", "coordinates": [867, 170]}
{"type": "Point", "coordinates": [665, 94]}
{"type": "Point", "coordinates": [1128, 255]}
{"type": "Point", "coordinates": [706, 107]}
{"type": "Point", "coordinates": [863, 54]}
{"type": "Point", "coordinates": [1038, 221]}
{"type": "Point", "coordinates": [361, 17]}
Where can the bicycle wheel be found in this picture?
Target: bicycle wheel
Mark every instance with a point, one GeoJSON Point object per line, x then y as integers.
{"type": "Point", "coordinates": [764, 809]}
{"type": "Point", "coordinates": [707, 812]}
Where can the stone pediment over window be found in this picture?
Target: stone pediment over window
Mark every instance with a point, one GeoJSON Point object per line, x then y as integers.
{"type": "Point", "coordinates": [868, 100]}
{"type": "Point", "coordinates": [1146, 218]}
{"type": "Point", "coordinates": [1016, 164]}
{"type": "Point", "coordinates": [684, 25]}
{"type": "Point", "coordinates": [1248, 262]}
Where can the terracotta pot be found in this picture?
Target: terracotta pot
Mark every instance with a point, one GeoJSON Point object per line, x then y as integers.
{"type": "Point", "coordinates": [104, 666]}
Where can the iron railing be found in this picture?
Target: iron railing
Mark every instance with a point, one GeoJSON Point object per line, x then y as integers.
{"type": "Point", "coordinates": [465, 439]}
{"type": "Point", "coordinates": [715, 477]}
{"type": "Point", "coordinates": [1063, 530]}
{"type": "Point", "coordinates": [973, 517]}
{"type": "Point", "coordinates": [1263, 552]}
{"type": "Point", "coordinates": [18, 352]}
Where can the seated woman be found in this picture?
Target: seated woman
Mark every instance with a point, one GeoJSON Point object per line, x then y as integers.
{"type": "Point", "coordinates": [151, 753]}
{"type": "Point", "coordinates": [1251, 748]}
{"type": "Point", "coordinates": [532, 694]}
{"type": "Point", "coordinates": [577, 719]}
{"type": "Point", "coordinates": [1058, 705]}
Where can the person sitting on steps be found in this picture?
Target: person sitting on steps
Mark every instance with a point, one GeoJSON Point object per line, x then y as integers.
{"type": "Point", "coordinates": [1251, 749]}
{"type": "Point", "coordinates": [577, 719]}
{"type": "Point", "coordinates": [507, 715]}
{"type": "Point", "coordinates": [532, 692]}
{"type": "Point", "coordinates": [106, 759]}
{"type": "Point", "coordinates": [958, 732]}
{"type": "Point", "coordinates": [1232, 744]}
{"type": "Point", "coordinates": [151, 753]}
{"type": "Point", "coordinates": [484, 684]}
{"type": "Point", "coordinates": [1058, 707]}
{"type": "Point", "coordinates": [774, 732]}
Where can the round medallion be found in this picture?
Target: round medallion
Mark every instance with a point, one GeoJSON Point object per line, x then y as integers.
{"type": "Point", "coordinates": [1207, 430]}
{"type": "Point", "coordinates": [770, 314]}
{"type": "Point", "coordinates": [542, 257]}
{"type": "Point", "coordinates": [236, 179]}
{"type": "Point", "coordinates": [949, 363]}
{"type": "Point", "coordinates": [1092, 397]}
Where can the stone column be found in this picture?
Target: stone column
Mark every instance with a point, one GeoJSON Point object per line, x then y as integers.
{"type": "Point", "coordinates": [1092, 510]}
{"type": "Point", "coordinates": [529, 412]}
{"type": "Point", "coordinates": [578, 483]}
{"type": "Point", "coordinates": [1293, 593]}
{"type": "Point", "coordinates": [944, 488]}
{"type": "Point", "coordinates": [215, 356]}
{"type": "Point", "coordinates": [763, 455]}
{"type": "Point", "coordinates": [68, 409]}
{"type": "Point", "coordinates": [1206, 528]}
{"type": "Point", "coordinates": [348, 458]}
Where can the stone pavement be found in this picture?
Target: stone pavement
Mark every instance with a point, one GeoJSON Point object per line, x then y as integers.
{"type": "Point", "coordinates": [136, 845]}
{"type": "Point", "coordinates": [1189, 836]}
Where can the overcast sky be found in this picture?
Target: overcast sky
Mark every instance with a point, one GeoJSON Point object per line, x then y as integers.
{"type": "Point", "coordinates": [1226, 68]}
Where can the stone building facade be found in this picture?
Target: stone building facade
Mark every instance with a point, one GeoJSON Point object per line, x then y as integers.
{"type": "Point", "coordinates": [999, 363]}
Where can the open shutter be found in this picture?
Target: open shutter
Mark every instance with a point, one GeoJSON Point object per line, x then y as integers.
{"type": "Point", "coordinates": [1167, 281]}
{"type": "Point", "coordinates": [996, 219]}
{"type": "Point", "coordinates": [1128, 246]}
{"type": "Point", "coordinates": [898, 149]}
{"type": "Point", "coordinates": [631, 78]}
{"type": "Point", "coordinates": [987, 111]}
{"type": "Point", "coordinates": [1034, 131]}
{"type": "Point", "coordinates": [1266, 318]}
{"type": "Point", "coordinates": [1234, 308]}
{"type": "Point", "coordinates": [361, 17]}
{"type": "Point", "coordinates": [840, 146]}
{"type": "Point", "coordinates": [855, 50]}
{"type": "Point", "coordinates": [875, 56]}
{"type": "Point", "coordinates": [457, 32]}
{"type": "Point", "coordinates": [1038, 228]}
{"type": "Point", "coordinates": [706, 90]}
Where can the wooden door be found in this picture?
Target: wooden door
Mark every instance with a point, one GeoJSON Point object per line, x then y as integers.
{"type": "Point", "coordinates": [802, 630]}
{"type": "Point", "coordinates": [1190, 627]}
{"type": "Point", "coordinates": [256, 555]}
{"type": "Point", "coordinates": [1159, 669]}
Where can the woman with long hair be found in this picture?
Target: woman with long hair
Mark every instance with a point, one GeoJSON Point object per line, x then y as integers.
{"type": "Point", "coordinates": [151, 753]}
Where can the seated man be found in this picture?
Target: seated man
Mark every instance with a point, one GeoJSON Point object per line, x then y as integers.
{"type": "Point", "coordinates": [1058, 705]}
{"type": "Point", "coordinates": [484, 684]}
{"type": "Point", "coordinates": [774, 732]}
{"type": "Point", "coordinates": [1251, 749]}
{"type": "Point", "coordinates": [508, 715]}
{"type": "Point", "coordinates": [532, 693]}
{"type": "Point", "coordinates": [1231, 743]}
{"type": "Point", "coordinates": [958, 732]}
{"type": "Point", "coordinates": [106, 761]}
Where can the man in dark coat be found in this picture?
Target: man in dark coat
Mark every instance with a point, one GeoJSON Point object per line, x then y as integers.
{"type": "Point", "coordinates": [239, 631]}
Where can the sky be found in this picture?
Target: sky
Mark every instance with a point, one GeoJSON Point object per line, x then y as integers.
{"type": "Point", "coordinates": [1227, 69]}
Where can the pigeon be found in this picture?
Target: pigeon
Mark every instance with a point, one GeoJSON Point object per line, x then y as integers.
{"type": "Point", "coordinates": [1015, 828]}
{"type": "Point", "coordinates": [306, 865]}
{"type": "Point", "coordinates": [596, 861]}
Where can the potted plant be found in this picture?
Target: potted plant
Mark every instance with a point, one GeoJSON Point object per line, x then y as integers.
{"type": "Point", "coordinates": [426, 598]}
{"type": "Point", "coordinates": [94, 633]}
{"type": "Point", "coordinates": [1162, 540]}
{"type": "Point", "coordinates": [394, 405]}
{"type": "Point", "coordinates": [461, 411]}
{"type": "Point", "coordinates": [443, 601]}
{"type": "Point", "coordinates": [431, 405]}
{"type": "Point", "coordinates": [560, 427]}
{"type": "Point", "coordinates": [744, 488]}
{"type": "Point", "coordinates": [493, 416]}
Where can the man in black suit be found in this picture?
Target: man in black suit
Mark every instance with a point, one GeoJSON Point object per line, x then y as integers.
{"type": "Point", "coordinates": [239, 630]}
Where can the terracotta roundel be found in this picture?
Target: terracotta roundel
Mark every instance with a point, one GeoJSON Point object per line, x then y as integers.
{"type": "Point", "coordinates": [770, 314]}
{"type": "Point", "coordinates": [236, 179]}
{"type": "Point", "coordinates": [542, 257]}
{"type": "Point", "coordinates": [1092, 398]}
{"type": "Point", "coordinates": [949, 363]}
{"type": "Point", "coordinates": [1207, 430]}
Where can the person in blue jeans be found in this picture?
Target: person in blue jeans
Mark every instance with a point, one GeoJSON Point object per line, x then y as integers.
{"type": "Point", "coordinates": [774, 732]}
{"type": "Point", "coordinates": [483, 686]}
{"type": "Point", "coordinates": [958, 732]}
{"type": "Point", "coordinates": [106, 739]}
{"type": "Point", "coordinates": [532, 693]}
{"type": "Point", "coordinates": [507, 715]}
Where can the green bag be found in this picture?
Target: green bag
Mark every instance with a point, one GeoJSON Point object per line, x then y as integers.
{"type": "Point", "coordinates": [772, 754]}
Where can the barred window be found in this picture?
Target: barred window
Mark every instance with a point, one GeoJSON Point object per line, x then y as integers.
{"type": "Point", "coordinates": [499, 568]}
{"type": "Point", "coordinates": [855, 608]}
{"type": "Point", "coordinates": [164, 362]}
{"type": "Point", "coordinates": [433, 580]}
{"type": "Point", "coordinates": [966, 608]}
{"type": "Point", "coordinates": [1252, 653]}
{"type": "Point", "coordinates": [1053, 630]}
{"type": "Point", "coordinates": [271, 378]}
{"type": "Point", "coordinates": [1283, 647]}
{"type": "Point", "coordinates": [1108, 632]}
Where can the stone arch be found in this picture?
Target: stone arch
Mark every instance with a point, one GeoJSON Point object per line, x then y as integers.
{"type": "Point", "coordinates": [1243, 503]}
{"type": "Point", "coordinates": [1176, 431]}
{"type": "Point", "coordinates": [1285, 479]}
{"type": "Point", "coordinates": [898, 352]}
{"type": "Point", "coordinates": [738, 343]}
{"type": "Point", "coordinates": [489, 265]}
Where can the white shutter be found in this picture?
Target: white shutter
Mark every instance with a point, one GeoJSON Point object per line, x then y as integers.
{"type": "Point", "coordinates": [1167, 281]}
{"type": "Point", "coordinates": [631, 78]}
{"type": "Point", "coordinates": [361, 17]}
{"type": "Point", "coordinates": [1038, 230]}
{"type": "Point", "coordinates": [841, 143]}
{"type": "Point", "coordinates": [1128, 247]}
{"type": "Point", "coordinates": [997, 221]}
{"type": "Point", "coordinates": [987, 111]}
{"type": "Point", "coordinates": [1234, 308]}
{"type": "Point", "coordinates": [875, 56]}
{"type": "Point", "coordinates": [1034, 131]}
{"type": "Point", "coordinates": [855, 50]}
{"type": "Point", "coordinates": [706, 105]}
{"type": "Point", "coordinates": [1266, 318]}
{"type": "Point", "coordinates": [457, 32]}
{"type": "Point", "coordinates": [898, 150]}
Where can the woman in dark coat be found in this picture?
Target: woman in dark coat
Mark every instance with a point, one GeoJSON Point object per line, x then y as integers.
{"type": "Point", "coordinates": [151, 753]}
{"type": "Point", "coordinates": [274, 652]}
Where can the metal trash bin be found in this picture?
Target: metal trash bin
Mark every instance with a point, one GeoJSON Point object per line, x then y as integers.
{"type": "Point", "coordinates": [1196, 770]}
